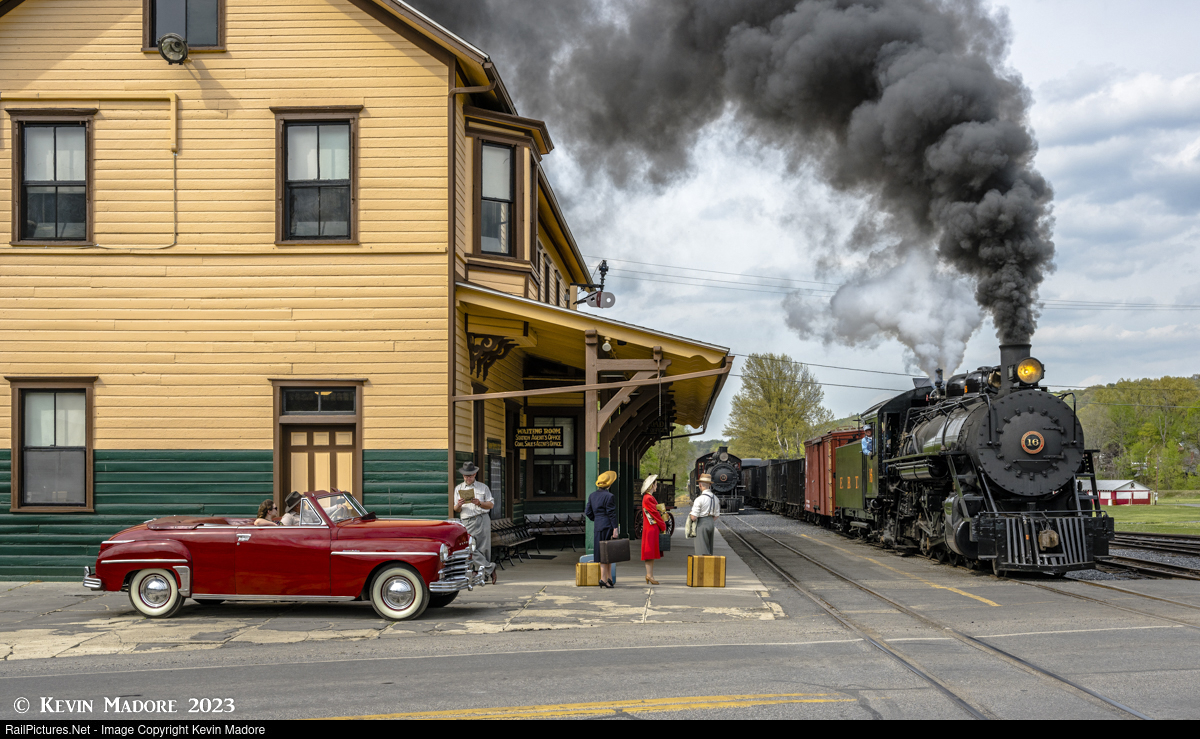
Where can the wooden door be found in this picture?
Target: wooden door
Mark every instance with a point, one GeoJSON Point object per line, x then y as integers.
{"type": "Point", "coordinates": [320, 458]}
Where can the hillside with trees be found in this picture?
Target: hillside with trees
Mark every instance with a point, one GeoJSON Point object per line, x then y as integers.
{"type": "Point", "coordinates": [1146, 430]}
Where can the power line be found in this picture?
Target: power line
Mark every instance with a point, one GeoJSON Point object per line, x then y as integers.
{"type": "Point", "coordinates": [1046, 303]}
{"type": "Point", "coordinates": [828, 384]}
{"type": "Point", "coordinates": [830, 366]}
{"type": "Point", "coordinates": [710, 271]}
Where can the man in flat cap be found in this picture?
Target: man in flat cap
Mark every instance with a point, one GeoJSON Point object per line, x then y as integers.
{"type": "Point", "coordinates": [472, 501]}
{"type": "Point", "coordinates": [705, 510]}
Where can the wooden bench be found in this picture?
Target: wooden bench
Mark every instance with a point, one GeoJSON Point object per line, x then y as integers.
{"type": "Point", "coordinates": [510, 538]}
{"type": "Point", "coordinates": [569, 525]}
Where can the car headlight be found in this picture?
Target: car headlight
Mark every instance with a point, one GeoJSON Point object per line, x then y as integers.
{"type": "Point", "coordinates": [472, 544]}
{"type": "Point", "coordinates": [443, 554]}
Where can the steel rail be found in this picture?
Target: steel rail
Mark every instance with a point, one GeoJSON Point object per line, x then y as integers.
{"type": "Point", "coordinates": [1172, 543]}
{"type": "Point", "coordinates": [851, 626]}
{"type": "Point", "coordinates": [1152, 568]}
{"type": "Point", "coordinates": [964, 638]}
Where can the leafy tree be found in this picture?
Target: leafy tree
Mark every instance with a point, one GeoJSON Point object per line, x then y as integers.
{"type": "Point", "coordinates": [777, 409]}
{"type": "Point", "coordinates": [670, 457]}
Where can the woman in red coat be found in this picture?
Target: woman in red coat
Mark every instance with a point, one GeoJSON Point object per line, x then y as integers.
{"type": "Point", "coordinates": [651, 528]}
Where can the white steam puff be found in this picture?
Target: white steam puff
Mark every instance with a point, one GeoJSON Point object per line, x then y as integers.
{"type": "Point", "coordinates": [931, 312]}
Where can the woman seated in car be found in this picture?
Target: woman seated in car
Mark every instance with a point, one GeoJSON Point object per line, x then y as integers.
{"type": "Point", "coordinates": [267, 513]}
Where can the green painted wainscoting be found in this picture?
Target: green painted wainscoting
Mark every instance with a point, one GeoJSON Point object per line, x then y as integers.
{"type": "Point", "coordinates": [135, 485]}
{"type": "Point", "coordinates": [405, 483]}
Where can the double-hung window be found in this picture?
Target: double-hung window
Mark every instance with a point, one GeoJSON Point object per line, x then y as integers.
{"type": "Point", "coordinates": [53, 181]}
{"type": "Point", "coordinates": [497, 200]}
{"type": "Point", "coordinates": [51, 444]}
{"type": "Point", "coordinates": [197, 21]}
{"type": "Point", "coordinates": [317, 190]}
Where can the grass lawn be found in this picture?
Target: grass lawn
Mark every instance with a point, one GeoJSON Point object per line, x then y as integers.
{"type": "Point", "coordinates": [1170, 516]}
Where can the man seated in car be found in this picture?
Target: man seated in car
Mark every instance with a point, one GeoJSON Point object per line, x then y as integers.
{"type": "Point", "coordinates": [292, 506]}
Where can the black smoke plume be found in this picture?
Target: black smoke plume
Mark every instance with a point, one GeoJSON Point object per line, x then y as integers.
{"type": "Point", "coordinates": [907, 102]}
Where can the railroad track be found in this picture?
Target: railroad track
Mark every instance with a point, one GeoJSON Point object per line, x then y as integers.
{"type": "Point", "coordinates": [1172, 543]}
{"type": "Point", "coordinates": [1147, 567]}
{"type": "Point", "coordinates": [880, 644]}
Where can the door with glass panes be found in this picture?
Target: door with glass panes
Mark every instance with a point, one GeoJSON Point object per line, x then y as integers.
{"type": "Point", "coordinates": [319, 458]}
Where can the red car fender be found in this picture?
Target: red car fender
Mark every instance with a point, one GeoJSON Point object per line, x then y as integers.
{"type": "Point", "coordinates": [116, 562]}
{"type": "Point", "coordinates": [354, 562]}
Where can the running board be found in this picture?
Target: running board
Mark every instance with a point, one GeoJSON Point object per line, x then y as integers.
{"type": "Point", "coordinates": [277, 598]}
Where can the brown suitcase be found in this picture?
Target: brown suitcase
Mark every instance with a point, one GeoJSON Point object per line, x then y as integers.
{"type": "Point", "coordinates": [706, 572]}
{"type": "Point", "coordinates": [613, 550]}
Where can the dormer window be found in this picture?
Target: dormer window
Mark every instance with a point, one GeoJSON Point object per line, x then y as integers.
{"type": "Point", "coordinates": [496, 204]}
{"type": "Point", "coordinates": [197, 21]}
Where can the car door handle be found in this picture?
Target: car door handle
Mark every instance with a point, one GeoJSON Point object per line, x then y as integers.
{"type": "Point", "coordinates": [243, 537]}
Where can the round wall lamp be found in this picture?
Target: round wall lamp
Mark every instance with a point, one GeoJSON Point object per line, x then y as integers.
{"type": "Point", "coordinates": [173, 48]}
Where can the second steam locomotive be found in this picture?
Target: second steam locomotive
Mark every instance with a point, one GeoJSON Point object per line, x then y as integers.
{"type": "Point", "coordinates": [986, 469]}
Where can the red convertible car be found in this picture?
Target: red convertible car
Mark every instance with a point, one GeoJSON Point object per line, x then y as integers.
{"type": "Point", "coordinates": [338, 552]}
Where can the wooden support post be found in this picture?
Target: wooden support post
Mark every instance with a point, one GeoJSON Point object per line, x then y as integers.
{"type": "Point", "coordinates": [591, 430]}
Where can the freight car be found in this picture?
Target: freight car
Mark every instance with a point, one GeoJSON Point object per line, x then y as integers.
{"type": "Point", "coordinates": [987, 469]}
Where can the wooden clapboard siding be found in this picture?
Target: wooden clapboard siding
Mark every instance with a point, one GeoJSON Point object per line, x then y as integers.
{"type": "Point", "coordinates": [133, 485]}
{"type": "Point", "coordinates": [184, 345]}
{"type": "Point", "coordinates": [280, 53]}
{"type": "Point", "coordinates": [405, 483]}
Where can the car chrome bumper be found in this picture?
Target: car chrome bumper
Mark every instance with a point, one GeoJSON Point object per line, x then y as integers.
{"type": "Point", "coordinates": [458, 572]}
{"type": "Point", "coordinates": [89, 582]}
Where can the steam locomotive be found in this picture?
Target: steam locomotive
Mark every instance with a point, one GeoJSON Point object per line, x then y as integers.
{"type": "Point", "coordinates": [727, 480]}
{"type": "Point", "coordinates": [986, 469]}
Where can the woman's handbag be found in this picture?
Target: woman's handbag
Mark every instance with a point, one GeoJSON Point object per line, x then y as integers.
{"type": "Point", "coordinates": [613, 550]}
{"type": "Point", "coordinates": [689, 528]}
{"type": "Point", "coordinates": [664, 542]}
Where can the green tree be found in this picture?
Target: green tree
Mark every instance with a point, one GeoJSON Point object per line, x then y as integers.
{"type": "Point", "coordinates": [779, 406]}
{"type": "Point", "coordinates": [670, 457]}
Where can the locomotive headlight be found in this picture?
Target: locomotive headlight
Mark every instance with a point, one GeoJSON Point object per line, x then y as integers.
{"type": "Point", "coordinates": [1030, 371]}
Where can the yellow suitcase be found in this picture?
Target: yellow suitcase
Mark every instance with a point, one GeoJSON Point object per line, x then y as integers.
{"type": "Point", "coordinates": [587, 573]}
{"type": "Point", "coordinates": [706, 572]}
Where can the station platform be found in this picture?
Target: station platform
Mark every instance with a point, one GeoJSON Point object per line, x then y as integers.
{"type": "Point", "coordinates": [40, 620]}
{"type": "Point", "coordinates": [541, 593]}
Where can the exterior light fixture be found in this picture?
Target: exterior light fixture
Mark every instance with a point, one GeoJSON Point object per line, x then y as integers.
{"type": "Point", "coordinates": [606, 346]}
{"type": "Point", "coordinates": [1030, 371]}
{"type": "Point", "coordinates": [173, 48]}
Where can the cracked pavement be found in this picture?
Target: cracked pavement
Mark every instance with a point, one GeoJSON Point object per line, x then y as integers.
{"type": "Point", "coordinates": [56, 620]}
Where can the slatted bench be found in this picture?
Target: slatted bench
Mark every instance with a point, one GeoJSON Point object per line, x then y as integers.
{"type": "Point", "coordinates": [510, 538]}
{"type": "Point", "coordinates": [569, 525]}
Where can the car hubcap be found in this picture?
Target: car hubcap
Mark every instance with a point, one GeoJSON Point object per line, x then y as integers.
{"type": "Point", "coordinates": [398, 593]}
{"type": "Point", "coordinates": [155, 591]}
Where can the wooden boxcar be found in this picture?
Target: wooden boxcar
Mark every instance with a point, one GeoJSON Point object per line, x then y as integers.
{"type": "Point", "coordinates": [820, 474]}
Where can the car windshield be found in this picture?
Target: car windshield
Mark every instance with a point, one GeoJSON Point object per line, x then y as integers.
{"type": "Point", "coordinates": [341, 506]}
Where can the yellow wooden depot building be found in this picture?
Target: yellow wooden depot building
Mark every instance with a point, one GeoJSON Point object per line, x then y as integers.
{"type": "Point", "coordinates": [319, 251]}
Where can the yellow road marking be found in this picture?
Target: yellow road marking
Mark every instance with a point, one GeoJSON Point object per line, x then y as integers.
{"type": "Point", "coordinates": [901, 572]}
{"type": "Point", "coordinates": [600, 708]}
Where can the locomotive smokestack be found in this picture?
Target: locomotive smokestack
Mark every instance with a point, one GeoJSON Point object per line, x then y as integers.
{"type": "Point", "coordinates": [1010, 356]}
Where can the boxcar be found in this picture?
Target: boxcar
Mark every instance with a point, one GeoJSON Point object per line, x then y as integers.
{"type": "Point", "coordinates": [821, 474]}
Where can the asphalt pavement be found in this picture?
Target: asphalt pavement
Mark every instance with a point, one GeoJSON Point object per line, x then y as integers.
{"type": "Point", "coordinates": [760, 649]}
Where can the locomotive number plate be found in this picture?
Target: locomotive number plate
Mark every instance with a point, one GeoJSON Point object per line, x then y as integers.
{"type": "Point", "coordinates": [1033, 442]}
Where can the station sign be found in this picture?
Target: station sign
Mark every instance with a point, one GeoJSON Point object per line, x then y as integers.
{"type": "Point", "coordinates": [541, 437]}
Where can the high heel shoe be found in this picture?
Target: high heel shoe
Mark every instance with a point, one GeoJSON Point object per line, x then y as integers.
{"type": "Point", "coordinates": [651, 580]}
{"type": "Point", "coordinates": [604, 584]}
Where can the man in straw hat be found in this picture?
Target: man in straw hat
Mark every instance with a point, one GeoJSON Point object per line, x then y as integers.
{"type": "Point", "coordinates": [705, 511]}
{"type": "Point", "coordinates": [472, 501]}
{"type": "Point", "coordinates": [602, 509]}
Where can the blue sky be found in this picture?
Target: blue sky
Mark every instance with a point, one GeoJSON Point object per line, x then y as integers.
{"type": "Point", "coordinates": [1116, 88]}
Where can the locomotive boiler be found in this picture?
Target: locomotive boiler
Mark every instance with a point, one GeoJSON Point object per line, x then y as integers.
{"type": "Point", "coordinates": [727, 480]}
{"type": "Point", "coordinates": [988, 468]}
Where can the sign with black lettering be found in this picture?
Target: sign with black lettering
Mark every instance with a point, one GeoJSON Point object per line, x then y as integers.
{"type": "Point", "coordinates": [542, 437]}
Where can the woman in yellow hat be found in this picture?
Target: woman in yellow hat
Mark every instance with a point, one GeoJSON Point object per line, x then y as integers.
{"type": "Point", "coordinates": [602, 509]}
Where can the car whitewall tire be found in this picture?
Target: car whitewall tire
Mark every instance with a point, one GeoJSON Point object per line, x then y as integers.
{"type": "Point", "coordinates": [398, 592]}
{"type": "Point", "coordinates": [155, 594]}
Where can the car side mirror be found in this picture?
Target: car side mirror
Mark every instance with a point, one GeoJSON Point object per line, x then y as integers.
{"type": "Point", "coordinates": [370, 516]}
